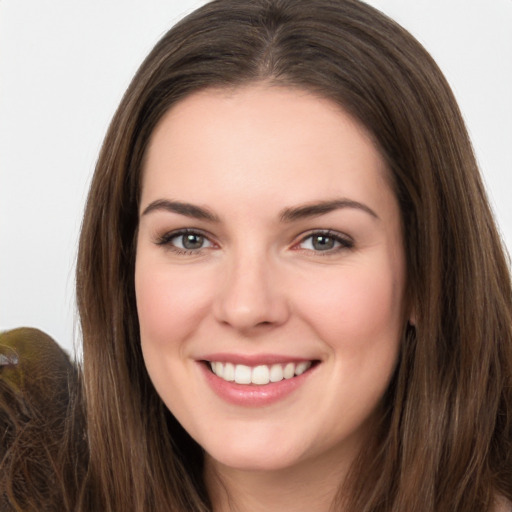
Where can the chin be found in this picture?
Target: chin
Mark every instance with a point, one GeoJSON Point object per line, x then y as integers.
{"type": "Point", "coordinates": [254, 462]}
{"type": "Point", "coordinates": [253, 454]}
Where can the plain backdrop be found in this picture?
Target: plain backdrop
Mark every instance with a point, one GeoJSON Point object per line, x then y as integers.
{"type": "Point", "coordinates": [64, 65]}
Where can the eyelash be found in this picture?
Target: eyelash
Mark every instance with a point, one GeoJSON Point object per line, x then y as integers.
{"type": "Point", "coordinates": [343, 241]}
{"type": "Point", "coordinates": [166, 239]}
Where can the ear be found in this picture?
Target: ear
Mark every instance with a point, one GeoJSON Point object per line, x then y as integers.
{"type": "Point", "coordinates": [412, 317]}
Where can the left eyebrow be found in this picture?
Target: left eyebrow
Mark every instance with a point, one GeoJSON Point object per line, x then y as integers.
{"type": "Point", "coordinates": [321, 208]}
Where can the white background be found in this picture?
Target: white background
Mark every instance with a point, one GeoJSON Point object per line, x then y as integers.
{"type": "Point", "coordinates": [64, 65]}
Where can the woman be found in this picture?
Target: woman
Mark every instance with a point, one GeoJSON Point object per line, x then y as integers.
{"type": "Point", "coordinates": [291, 289]}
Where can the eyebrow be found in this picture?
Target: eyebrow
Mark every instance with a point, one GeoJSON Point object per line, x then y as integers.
{"type": "Point", "coordinates": [287, 215]}
{"type": "Point", "coordinates": [187, 209]}
{"type": "Point", "coordinates": [322, 208]}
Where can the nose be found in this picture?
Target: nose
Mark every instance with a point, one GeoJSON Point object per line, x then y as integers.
{"type": "Point", "coordinates": [251, 296]}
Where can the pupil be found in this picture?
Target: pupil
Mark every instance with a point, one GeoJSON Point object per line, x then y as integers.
{"type": "Point", "coordinates": [192, 241]}
{"type": "Point", "coordinates": [323, 243]}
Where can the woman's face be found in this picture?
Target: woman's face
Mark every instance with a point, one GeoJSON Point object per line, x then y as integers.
{"type": "Point", "coordinates": [270, 248]}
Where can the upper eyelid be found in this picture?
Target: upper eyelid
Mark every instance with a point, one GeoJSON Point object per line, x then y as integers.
{"type": "Point", "coordinates": [338, 235]}
{"type": "Point", "coordinates": [344, 242]}
{"type": "Point", "coordinates": [326, 232]}
{"type": "Point", "coordinates": [169, 235]}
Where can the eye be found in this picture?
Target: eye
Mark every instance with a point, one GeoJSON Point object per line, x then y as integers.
{"type": "Point", "coordinates": [185, 241]}
{"type": "Point", "coordinates": [190, 241]}
{"type": "Point", "coordinates": [325, 241]}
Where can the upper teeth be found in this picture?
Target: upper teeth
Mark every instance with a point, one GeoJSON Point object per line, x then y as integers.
{"type": "Point", "coordinates": [262, 374]}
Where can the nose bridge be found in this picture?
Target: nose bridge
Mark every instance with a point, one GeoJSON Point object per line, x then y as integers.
{"type": "Point", "coordinates": [250, 294]}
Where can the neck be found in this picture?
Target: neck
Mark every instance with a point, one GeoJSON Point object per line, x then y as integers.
{"type": "Point", "coordinates": [305, 487]}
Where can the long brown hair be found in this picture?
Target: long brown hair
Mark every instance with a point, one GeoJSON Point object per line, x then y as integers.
{"type": "Point", "coordinates": [445, 441]}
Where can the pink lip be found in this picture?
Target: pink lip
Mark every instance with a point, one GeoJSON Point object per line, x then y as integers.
{"type": "Point", "coordinates": [252, 395]}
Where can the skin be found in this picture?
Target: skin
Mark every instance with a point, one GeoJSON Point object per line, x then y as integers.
{"type": "Point", "coordinates": [259, 285]}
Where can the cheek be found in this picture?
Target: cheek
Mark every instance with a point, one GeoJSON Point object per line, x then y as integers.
{"type": "Point", "coordinates": [169, 304]}
{"type": "Point", "coordinates": [356, 308]}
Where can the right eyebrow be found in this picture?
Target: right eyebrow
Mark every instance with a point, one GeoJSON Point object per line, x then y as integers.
{"type": "Point", "coordinates": [186, 209]}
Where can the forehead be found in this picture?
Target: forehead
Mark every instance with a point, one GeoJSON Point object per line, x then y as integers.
{"type": "Point", "coordinates": [263, 139]}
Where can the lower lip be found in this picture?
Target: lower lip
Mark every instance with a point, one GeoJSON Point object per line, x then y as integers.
{"type": "Point", "coordinates": [253, 395]}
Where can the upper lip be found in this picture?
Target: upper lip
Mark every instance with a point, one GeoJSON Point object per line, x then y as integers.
{"type": "Point", "coordinates": [255, 359]}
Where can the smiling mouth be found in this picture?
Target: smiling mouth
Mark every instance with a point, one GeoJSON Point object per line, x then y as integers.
{"type": "Point", "coordinates": [259, 375]}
